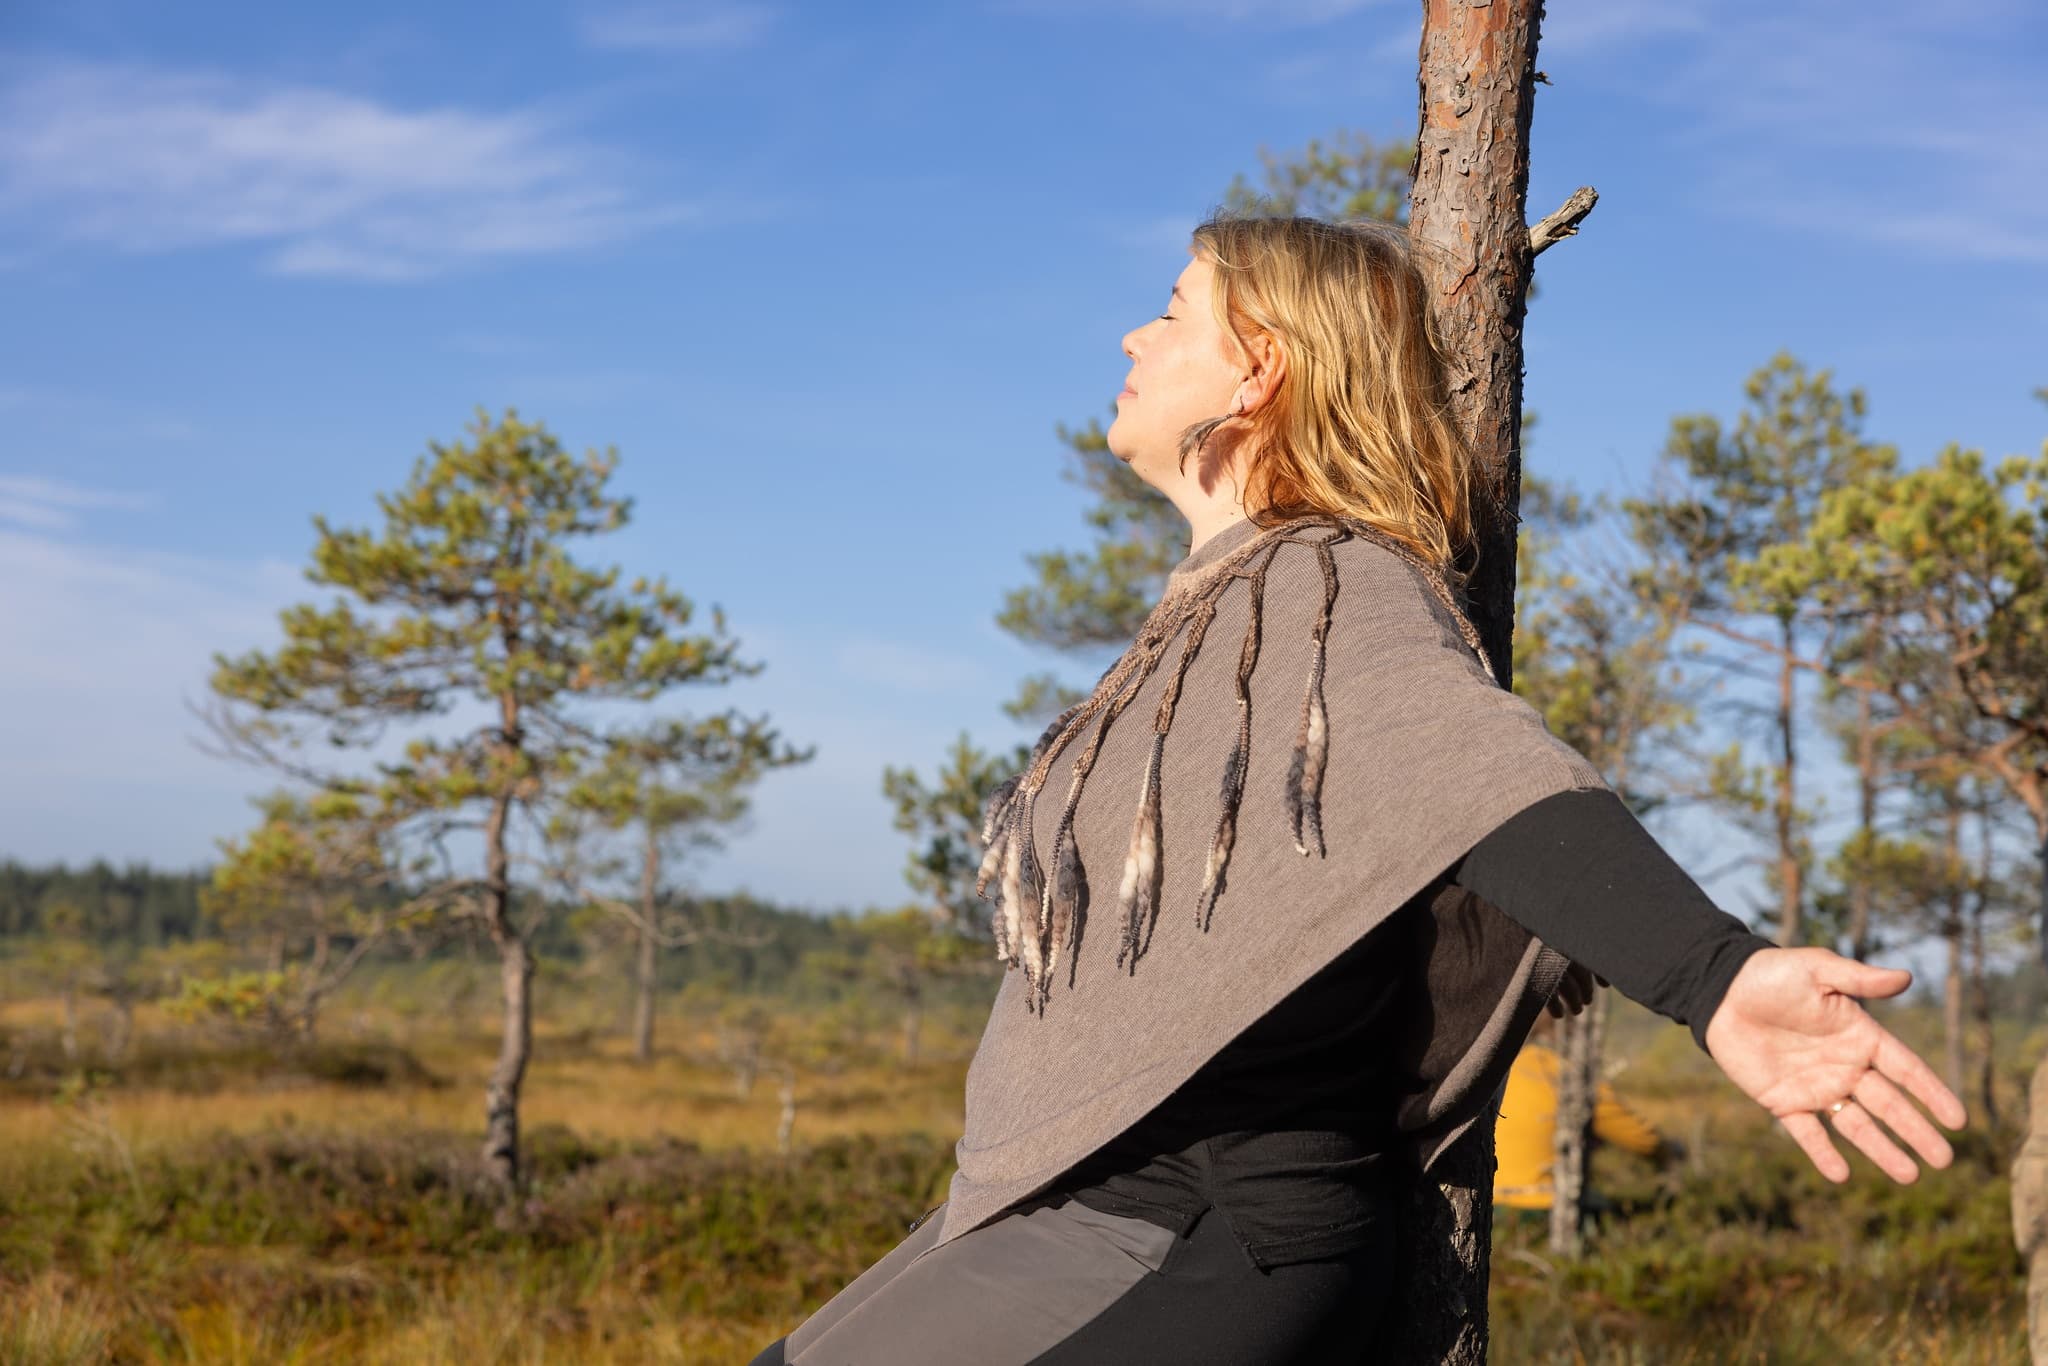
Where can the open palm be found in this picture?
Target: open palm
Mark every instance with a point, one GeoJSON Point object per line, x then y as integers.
{"type": "Point", "coordinates": [1791, 1034]}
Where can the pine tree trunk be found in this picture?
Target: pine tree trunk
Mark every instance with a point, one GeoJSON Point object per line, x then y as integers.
{"type": "Point", "coordinates": [1980, 1000]}
{"type": "Point", "coordinates": [515, 977]}
{"type": "Point", "coordinates": [1468, 207]}
{"type": "Point", "coordinates": [643, 996]}
{"type": "Point", "coordinates": [1866, 825]}
{"type": "Point", "coordinates": [1581, 1038]}
{"type": "Point", "coordinates": [2030, 1212]}
{"type": "Point", "coordinates": [1791, 894]}
{"type": "Point", "coordinates": [508, 1074]}
{"type": "Point", "coordinates": [2030, 1169]}
{"type": "Point", "coordinates": [645, 974]}
{"type": "Point", "coordinates": [1952, 1003]}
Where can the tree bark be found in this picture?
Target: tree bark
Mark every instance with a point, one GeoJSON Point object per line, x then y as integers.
{"type": "Point", "coordinates": [2030, 1212]}
{"type": "Point", "coordinates": [1987, 1042]}
{"type": "Point", "coordinates": [1476, 86]}
{"type": "Point", "coordinates": [1791, 895]}
{"type": "Point", "coordinates": [645, 974]}
{"type": "Point", "coordinates": [515, 976]}
{"type": "Point", "coordinates": [1578, 1082]}
{"type": "Point", "coordinates": [1866, 825]}
{"type": "Point", "coordinates": [1952, 1004]}
{"type": "Point", "coordinates": [1980, 985]}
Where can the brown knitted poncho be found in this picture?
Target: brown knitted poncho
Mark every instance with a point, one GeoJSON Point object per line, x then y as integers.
{"type": "Point", "coordinates": [1302, 737]}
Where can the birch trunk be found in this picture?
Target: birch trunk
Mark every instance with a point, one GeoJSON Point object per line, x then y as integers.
{"type": "Point", "coordinates": [1476, 82]}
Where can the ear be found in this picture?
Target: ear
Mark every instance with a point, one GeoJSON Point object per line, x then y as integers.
{"type": "Point", "coordinates": [1266, 360]}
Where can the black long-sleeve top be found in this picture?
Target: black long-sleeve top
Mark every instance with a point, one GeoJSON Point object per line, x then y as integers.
{"type": "Point", "coordinates": [1287, 1130]}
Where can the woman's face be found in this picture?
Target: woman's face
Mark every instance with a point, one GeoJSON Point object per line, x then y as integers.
{"type": "Point", "coordinates": [1183, 371]}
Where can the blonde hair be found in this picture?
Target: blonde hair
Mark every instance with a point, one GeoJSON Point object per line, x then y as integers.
{"type": "Point", "coordinates": [1361, 425]}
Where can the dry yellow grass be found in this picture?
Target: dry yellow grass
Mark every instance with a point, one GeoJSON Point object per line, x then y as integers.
{"type": "Point", "coordinates": [432, 1307]}
{"type": "Point", "coordinates": [592, 1086]}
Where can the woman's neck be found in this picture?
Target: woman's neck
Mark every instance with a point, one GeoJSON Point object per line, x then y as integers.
{"type": "Point", "coordinates": [1211, 499]}
{"type": "Point", "coordinates": [1206, 521]}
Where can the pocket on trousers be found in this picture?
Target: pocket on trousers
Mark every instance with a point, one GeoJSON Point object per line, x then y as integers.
{"type": "Point", "coordinates": [1142, 1241]}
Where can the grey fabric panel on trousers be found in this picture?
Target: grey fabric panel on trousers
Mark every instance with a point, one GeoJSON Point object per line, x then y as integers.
{"type": "Point", "coordinates": [998, 1296]}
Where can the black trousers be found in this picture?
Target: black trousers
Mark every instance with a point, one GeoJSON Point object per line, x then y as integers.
{"type": "Point", "coordinates": [1206, 1304]}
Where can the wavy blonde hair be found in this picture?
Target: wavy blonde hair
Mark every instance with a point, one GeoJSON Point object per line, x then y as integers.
{"type": "Point", "coordinates": [1361, 425]}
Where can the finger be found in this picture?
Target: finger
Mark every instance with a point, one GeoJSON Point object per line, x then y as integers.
{"type": "Point", "coordinates": [1554, 1008]}
{"type": "Point", "coordinates": [1902, 1065]}
{"type": "Point", "coordinates": [1810, 1134]}
{"type": "Point", "coordinates": [1602, 980]}
{"type": "Point", "coordinates": [1852, 978]}
{"type": "Point", "coordinates": [1855, 1124]}
{"type": "Point", "coordinates": [1903, 1118]}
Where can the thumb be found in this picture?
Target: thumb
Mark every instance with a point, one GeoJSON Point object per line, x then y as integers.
{"type": "Point", "coordinates": [1852, 978]}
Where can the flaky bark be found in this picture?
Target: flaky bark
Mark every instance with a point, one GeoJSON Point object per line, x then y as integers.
{"type": "Point", "coordinates": [1468, 213]}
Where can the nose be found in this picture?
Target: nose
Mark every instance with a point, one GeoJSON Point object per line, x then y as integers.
{"type": "Point", "coordinates": [1130, 342]}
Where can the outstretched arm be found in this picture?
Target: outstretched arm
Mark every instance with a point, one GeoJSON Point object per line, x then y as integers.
{"type": "Point", "coordinates": [1579, 871]}
{"type": "Point", "coordinates": [1790, 1033]}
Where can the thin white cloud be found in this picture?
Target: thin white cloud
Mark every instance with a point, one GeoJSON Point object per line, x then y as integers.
{"type": "Point", "coordinates": [678, 26]}
{"type": "Point", "coordinates": [46, 504]}
{"type": "Point", "coordinates": [142, 158]}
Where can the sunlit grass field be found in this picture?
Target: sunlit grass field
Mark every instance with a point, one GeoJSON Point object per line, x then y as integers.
{"type": "Point", "coordinates": [206, 1201]}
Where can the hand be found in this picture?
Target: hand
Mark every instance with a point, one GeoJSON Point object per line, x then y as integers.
{"type": "Point", "coordinates": [1791, 1035]}
{"type": "Point", "coordinates": [1574, 991]}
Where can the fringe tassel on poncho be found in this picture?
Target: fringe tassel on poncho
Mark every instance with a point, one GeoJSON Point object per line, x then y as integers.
{"type": "Point", "coordinates": [1039, 919]}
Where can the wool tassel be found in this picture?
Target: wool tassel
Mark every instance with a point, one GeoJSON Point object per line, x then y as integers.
{"type": "Point", "coordinates": [1028, 924]}
{"type": "Point", "coordinates": [1218, 863]}
{"type": "Point", "coordinates": [1010, 931]}
{"type": "Point", "coordinates": [998, 807]}
{"type": "Point", "coordinates": [1312, 744]}
{"type": "Point", "coordinates": [991, 859]}
{"type": "Point", "coordinates": [1226, 835]}
{"type": "Point", "coordinates": [1068, 893]}
{"type": "Point", "coordinates": [1139, 895]}
{"type": "Point", "coordinates": [1305, 774]}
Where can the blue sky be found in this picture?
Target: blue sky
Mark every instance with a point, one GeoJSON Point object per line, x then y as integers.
{"type": "Point", "coordinates": [828, 276]}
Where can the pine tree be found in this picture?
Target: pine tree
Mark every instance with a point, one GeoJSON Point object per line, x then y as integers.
{"type": "Point", "coordinates": [466, 621]}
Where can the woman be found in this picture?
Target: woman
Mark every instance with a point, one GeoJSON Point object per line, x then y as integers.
{"type": "Point", "coordinates": [1183, 1130]}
